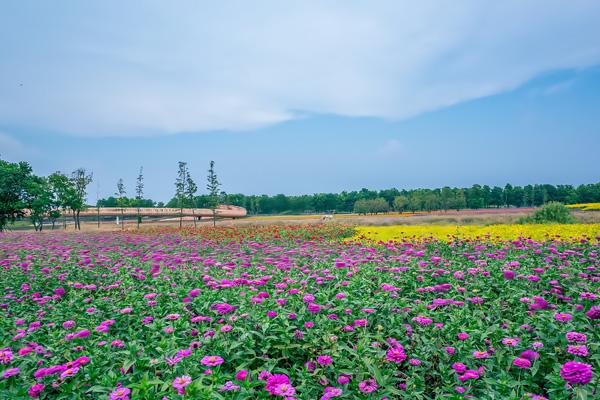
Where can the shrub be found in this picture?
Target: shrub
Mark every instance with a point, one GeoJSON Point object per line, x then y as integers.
{"type": "Point", "coordinates": [550, 213]}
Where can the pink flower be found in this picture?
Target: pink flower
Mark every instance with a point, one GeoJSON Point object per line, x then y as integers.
{"type": "Point", "coordinates": [68, 324]}
{"type": "Point", "coordinates": [6, 356]}
{"type": "Point", "coordinates": [211, 361]}
{"type": "Point", "coordinates": [241, 375]}
{"type": "Point", "coordinates": [181, 382]}
{"type": "Point", "coordinates": [283, 389]}
{"type": "Point", "coordinates": [276, 380]}
{"type": "Point", "coordinates": [69, 372]}
{"type": "Point", "coordinates": [576, 337]}
{"type": "Point", "coordinates": [120, 394]}
{"type": "Point", "coordinates": [82, 334]}
{"type": "Point", "coordinates": [522, 363]}
{"type": "Point", "coordinates": [324, 360]}
{"type": "Point", "coordinates": [395, 355]}
{"type": "Point", "coordinates": [10, 372]}
{"type": "Point", "coordinates": [343, 379]}
{"type": "Point", "coordinates": [368, 386]}
{"type": "Point", "coordinates": [36, 390]}
{"type": "Point", "coordinates": [330, 392]}
{"type": "Point", "coordinates": [576, 373]}
{"type": "Point", "coordinates": [563, 317]}
{"type": "Point", "coordinates": [481, 354]}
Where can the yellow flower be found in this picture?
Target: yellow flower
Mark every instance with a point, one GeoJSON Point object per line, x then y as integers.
{"type": "Point", "coordinates": [491, 233]}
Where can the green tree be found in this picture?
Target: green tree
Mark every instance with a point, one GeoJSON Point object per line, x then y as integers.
{"type": "Point", "coordinates": [121, 200]}
{"type": "Point", "coordinates": [190, 192]}
{"type": "Point", "coordinates": [64, 191]}
{"type": "Point", "coordinates": [400, 203]}
{"type": "Point", "coordinates": [14, 178]}
{"type": "Point", "coordinates": [80, 180]}
{"type": "Point", "coordinates": [139, 194]}
{"type": "Point", "coordinates": [212, 186]}
{"type": "Point", "coordinates": [180, 188]}
{"type": "Point", "coordinates": [120, 193]}
{"type": "Point", "coordinates": [39, 200]}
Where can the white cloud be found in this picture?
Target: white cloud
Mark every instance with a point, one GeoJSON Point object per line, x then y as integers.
{"type": "Point", "coordinates": [155, 68]}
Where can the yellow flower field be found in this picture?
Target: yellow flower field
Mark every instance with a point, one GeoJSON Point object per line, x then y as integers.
{"type": "Point", "coordinates": [493, 232]}
{"type": "Point", "coordinates": [586, 206]}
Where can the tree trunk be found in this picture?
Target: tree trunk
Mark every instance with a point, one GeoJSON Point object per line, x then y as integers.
{"type": "Point", "coordinates": [180, 217]}
{"type": "Point", "coordinates": [194, 216]}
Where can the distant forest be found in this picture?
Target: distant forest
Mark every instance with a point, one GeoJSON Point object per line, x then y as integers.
{"type": "Point", "coordinates": [366, 200]}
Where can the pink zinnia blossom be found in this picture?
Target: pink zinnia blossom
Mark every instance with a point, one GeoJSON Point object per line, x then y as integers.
{"type": "Point", "coordinates": [368, 386]}
{"type": "Point", "coordinates": [211, 361]}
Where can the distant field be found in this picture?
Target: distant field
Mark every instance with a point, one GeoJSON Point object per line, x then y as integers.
{"type": "Point", "coordinates": [482, 217]}
{"type": "Point", "coordinates": [586, 206]}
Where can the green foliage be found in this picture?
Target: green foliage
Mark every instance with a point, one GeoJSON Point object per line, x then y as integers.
{"type": "Point", "coordinates": [371, 206]}
{"type": "Point", "coordinates": [14, 180]}
{"type": "Point", "coordinates": [181, 184]}
{"type": "Point", "coordinates": [112, 201]}
{"type": "Point", "coordinates": [400, 203]}
{"type": "Point", "coordinates": [550, 213]}
{"type": "Point", "coordinates": [445, 198]}
{"type": "Point", "coordinates": [213, 191]}
{"type": "Point", "coordinates": [40, 200]}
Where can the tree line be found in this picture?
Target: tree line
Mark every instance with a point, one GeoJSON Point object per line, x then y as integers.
{"type": "Point", "coordinates": [375, 201]}
{"type": "Point", "coordinates": [24, 194]}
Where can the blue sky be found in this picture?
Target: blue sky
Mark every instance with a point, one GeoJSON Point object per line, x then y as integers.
{"type": "Point", "coordinates": [306, 97]}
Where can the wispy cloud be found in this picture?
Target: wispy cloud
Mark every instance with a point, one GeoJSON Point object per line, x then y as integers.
{"type": "Point", "coordinates": [190, 66]}
{"type": "Point", "coordinates": [559, 87]}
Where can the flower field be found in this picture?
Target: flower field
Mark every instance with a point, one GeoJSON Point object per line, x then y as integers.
{"type": "Point", "coordinates": [299, 313]}
{"type": "Point", "coordinates": [585, 206]}
{"type": "Point", "coordinates": [539, 232]}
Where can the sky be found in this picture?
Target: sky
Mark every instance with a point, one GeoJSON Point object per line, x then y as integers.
{"type": "Point", "coordinates": [303, 96]}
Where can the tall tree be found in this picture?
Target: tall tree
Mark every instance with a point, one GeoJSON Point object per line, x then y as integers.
{"type": "Point", "coordinates": [213, 191]}
{"type": "Point", "coordinates": [14, 178]}
{"type": "Point", "coordinates": [64, 191]}
{"type": "Point", "coordinates": [80, 180]}
{"type": "Point", "coordinates": [121, 200]}
{"type": "Point", "coordinates": [38, 200]}
{"type": "Point", "coordinates": [139, 194]}
{"type": "Point", "coordinates": [180, 188]}
{"type": "Point", "coordinates": [190, 191]}
{"type": "Point", "coordinates": [120, 193]}
{"type": "Point", "coordinates": [400, 203]}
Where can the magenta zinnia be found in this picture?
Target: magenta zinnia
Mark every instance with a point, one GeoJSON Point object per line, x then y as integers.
{"type": "Point", "coordinates": [576, 373]}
